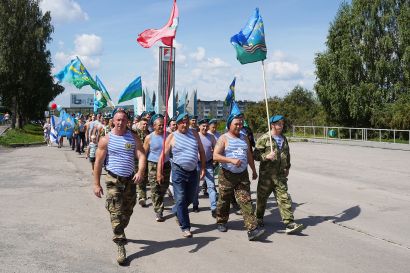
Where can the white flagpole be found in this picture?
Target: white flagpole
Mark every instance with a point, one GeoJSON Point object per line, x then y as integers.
{"type": "Point", "coordinates": [266, 102]}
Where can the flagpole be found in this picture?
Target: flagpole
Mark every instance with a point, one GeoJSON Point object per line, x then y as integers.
{"type": "Point", "coordinates": [266, 102]}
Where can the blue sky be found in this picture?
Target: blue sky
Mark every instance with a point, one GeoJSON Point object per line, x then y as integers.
{"type": "Point", "coordinates": [103, 34]}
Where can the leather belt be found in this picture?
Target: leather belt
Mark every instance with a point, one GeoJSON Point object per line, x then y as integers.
{"type": "Point", "coordinates": [120, 178]}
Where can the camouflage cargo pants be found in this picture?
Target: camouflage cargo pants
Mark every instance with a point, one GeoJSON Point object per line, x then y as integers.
{"type": "Point", "coordinates": [120, 202]}
{"type": "Point", "coordinates": [158, 190]}
{"type": "Point", "coordinates": [267, 184]}
{"type": "Point", "coordinates": [239, 185]}
{"type": "Point", "coordinates": [142, 186]}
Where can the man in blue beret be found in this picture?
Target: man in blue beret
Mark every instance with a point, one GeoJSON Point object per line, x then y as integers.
{"type": "Point", "coordinates": [172, 125]}
{"type": "Point", "coordinates": [213, 126]}
{"type": "Point", "coordinates": [273, 172]}
{"type": "Point", "coordinates": [193, 122]}
{"type": "Point", "coordinates": [235, 153]}
{"type": "Point", "coordinates": [153, 144]}
{"type": "Point", "coordinates": [208, 142]}
{"type": "Point", "coordinates": [185, 146]}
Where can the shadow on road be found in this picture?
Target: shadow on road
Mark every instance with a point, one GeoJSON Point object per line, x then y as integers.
{"type": "Point", "coordinates": [273, 221]}
{"type": "Point", "coordinates": [344, 216]}
{"type": "Point", "coordinates": [152, 247]}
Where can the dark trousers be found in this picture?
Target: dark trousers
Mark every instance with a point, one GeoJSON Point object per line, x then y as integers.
{"type": "Point", "coordinates": [80, 140]}
{"type": "Point", "coordinates": [184, 183]}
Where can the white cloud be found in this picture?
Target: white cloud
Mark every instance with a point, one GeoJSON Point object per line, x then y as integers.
{"type": "Point", "coordinates": [283, 70]}
{"type": "Point", "coordinates": [213, 63]}
{"type": "Point", "coordinates": [88, 45]}
{"type": "Point", "coordinates": [64, 10]}
{"type": "Point", "coordinates": [278, 55]}
{"type": "Point", "coordinates": [199, 54]}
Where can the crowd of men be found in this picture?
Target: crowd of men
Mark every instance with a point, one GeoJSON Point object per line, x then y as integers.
{"type": "Point", "coordinates": [144, 151]}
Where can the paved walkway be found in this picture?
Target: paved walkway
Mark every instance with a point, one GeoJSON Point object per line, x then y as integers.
{"type": "Point", "coordinates": [353, 200]}
{"type": "Point", "coordinates": [3, 129]}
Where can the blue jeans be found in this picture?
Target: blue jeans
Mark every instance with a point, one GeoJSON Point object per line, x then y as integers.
{"type": "Point", "coordinates": [210, 183]}
{"type": "Point", "coordinates": [184, 183]}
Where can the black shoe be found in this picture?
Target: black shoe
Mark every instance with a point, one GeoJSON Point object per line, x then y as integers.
{"type": "Point", "coordinates": [159, 217]}
{"type": "Point", "coordinates": [222, 228]}
{"type": "Point", "coordinates": [195, 209]}
{"type": "Point", "coordinates": [213, 213]}
{"type": "Point", "coordinates": [254, 234]}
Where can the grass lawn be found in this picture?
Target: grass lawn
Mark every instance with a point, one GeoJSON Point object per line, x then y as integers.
{"type": "Point", "coordinates": [28, 135]}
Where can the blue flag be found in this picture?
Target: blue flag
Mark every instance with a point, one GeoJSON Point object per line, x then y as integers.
{"type": "Point", "coordinates": [148, 102]}
{"type": "Point", "coordinates": [66, 124]}
{"type": "Point", "coordinates": [133, 90]}
{"type": "Point", "coordinates": [76, 74]}
{"type": "Point", "coordinates": [230, 97]}
{"type": "Point", "coordinates": [249, 43]}
{"type": "Point", "coordinates": [101, 98]}
{"type": "Point", "coordinates": [54, 124]}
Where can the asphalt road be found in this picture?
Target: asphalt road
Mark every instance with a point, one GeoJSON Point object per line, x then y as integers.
{"type": "Point", "coordinates": [355, 202]}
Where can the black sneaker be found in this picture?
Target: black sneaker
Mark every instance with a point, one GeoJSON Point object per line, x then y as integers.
{"type": "Point", "coordinates": [213, 213]}
{"type": "Point", "coordinates": [159, 217]}
{"type": "Point", "coordinates": [254, 234]}
{"type": "Point", "coordinates": [195, 209]}
{"type": "Point", "coordinates": [222, 228]}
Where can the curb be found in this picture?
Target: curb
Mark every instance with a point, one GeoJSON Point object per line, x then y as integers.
{"type": "Point", "coordinates": [16, 145]}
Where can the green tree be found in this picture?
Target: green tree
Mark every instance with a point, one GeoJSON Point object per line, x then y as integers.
{"type": "Point", "coordinates": [299, 107]}
{"type": "Point", "coordinates": [26, 83]}
{"type": "Point", "coordinates": [367, 61]}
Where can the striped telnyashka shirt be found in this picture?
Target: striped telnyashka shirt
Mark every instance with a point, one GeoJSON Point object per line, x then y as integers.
{"type": "Point", "coordinates": [185, 150]}
{"type": "Point", "coordinates": [237, 148]}
{"type": "Point", "coordinates": [121, 154]}
{"type": "Point", "coordinates": [155, 147]}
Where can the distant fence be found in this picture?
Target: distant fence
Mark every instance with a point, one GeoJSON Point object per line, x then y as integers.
{"type": "Point", "coordinates": [352, 134]}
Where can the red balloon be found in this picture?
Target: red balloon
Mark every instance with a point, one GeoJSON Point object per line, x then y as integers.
{"type": "Point", "coordinates": [53, 106]}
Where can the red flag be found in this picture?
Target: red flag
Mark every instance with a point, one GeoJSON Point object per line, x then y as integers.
{"type": "Point", "coordinates": [165, 34]}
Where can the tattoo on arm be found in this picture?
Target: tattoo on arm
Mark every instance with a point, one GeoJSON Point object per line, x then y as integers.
{"type": "Point", "coordinates": [219, 143]}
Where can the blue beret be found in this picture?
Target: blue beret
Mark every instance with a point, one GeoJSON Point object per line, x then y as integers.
{"type": "Point", "coordinates": [232, 117]}
{"type": "Point", "coordinates": [120, 109]}
{"type": "Point", "coordinates": [202, 121]}
{"type": "Point", "coordinates": [213, 121]}
{"type": "Point", "coordinates": [155, 117]}
{"type": "Point", "coordinates": [276, 118]}
{"type": "Point", "coordinates": [181, 117]}
{"type": "Point", "coordinates": [193, 117]}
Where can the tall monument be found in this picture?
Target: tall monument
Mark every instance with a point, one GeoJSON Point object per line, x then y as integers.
{"type": "Point", "coordinates": [164, 61]}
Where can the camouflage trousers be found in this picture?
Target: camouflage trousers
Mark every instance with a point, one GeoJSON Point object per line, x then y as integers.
{"type": "Point", "coordinates": [158, 190]}
{"type": "Point", "coordinates": [142, 186]}
{"type": "Point", "coordinates": [267, 184]}
{"type": "Point", "coordinates": [239, 185]}
{"type": "Point", "coordinates": [120, 202]}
